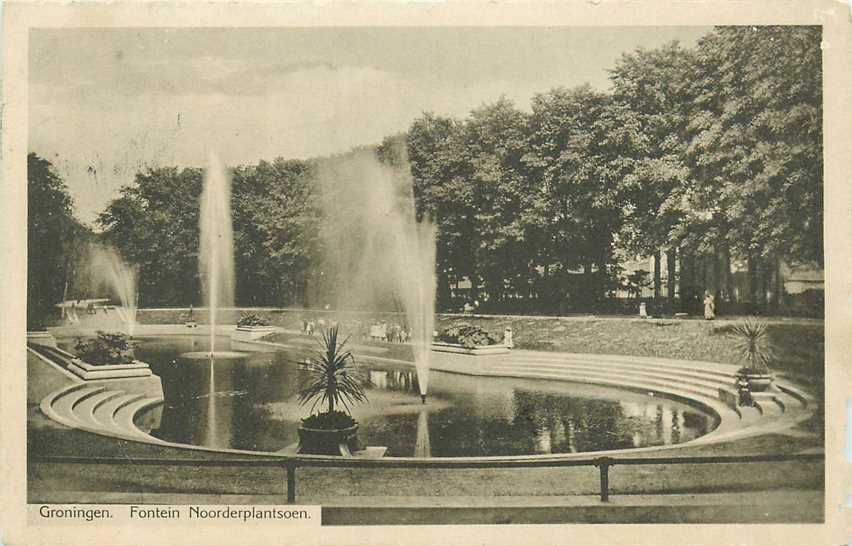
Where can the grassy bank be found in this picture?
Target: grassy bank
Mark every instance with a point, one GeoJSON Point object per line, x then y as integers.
{"type": "Point", "coordinates": [799, 345]}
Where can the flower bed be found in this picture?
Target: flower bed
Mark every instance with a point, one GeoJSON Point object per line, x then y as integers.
{"type": "Point", "coordinates": [468, 339]}
{"type": "Point", "coordinates": [252, 327]}
{"type": "Point", "coordinates": [107, 356]}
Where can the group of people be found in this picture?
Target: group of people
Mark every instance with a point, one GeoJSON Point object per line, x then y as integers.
{"type": "Point", "coordinates": [309, 327]}
{"type": "Point", "coordinates": [376, 330]}
{"type": "Point", "coordinates": [391, 333]}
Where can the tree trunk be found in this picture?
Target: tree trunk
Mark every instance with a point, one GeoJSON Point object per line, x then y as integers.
{"type": "Point", "coordinates": [763, 282]}
{"type": "Point", "coordinates": [778, 291]}
{"type": "Point", "coordinates": [752, 283]}
{"type": "Point", "coordinates": [728, 277]}
{"type": "Point", "coordinates": [589, 284]}
{"type": "Point", "coordinates": [671, 256]}
{"type": "Point", "coordinates": [717, 276]}
{"type": "Point", "coordinates": [683, 282]}
{"type": "Point", "coordinates": [657, 276]}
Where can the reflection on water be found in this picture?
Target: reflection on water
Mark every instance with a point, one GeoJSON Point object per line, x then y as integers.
{"type": "Point", "coordinates": [250, 403]}
{"type": "Point", "coordinates": [423, 446]}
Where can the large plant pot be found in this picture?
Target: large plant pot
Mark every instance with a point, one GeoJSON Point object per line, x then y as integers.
{"type": "Point", "coordinates": [759, 382]}
{"type": "Point", "coordinates": [316, 441]}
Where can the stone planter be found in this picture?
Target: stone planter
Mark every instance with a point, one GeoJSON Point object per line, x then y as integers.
{"type": "Point", "coordinates": [759, 382]}
{"type": "Point", "coordinates": [41, 337]}
{"type": "Point", "coordinates": [111, 371]}
{"type": "Point", "coordinates": [313, 441]}
{"type": "Point", "coordinates": [442, 347]}
{"type": "Point", "coordinates": [251, 333]}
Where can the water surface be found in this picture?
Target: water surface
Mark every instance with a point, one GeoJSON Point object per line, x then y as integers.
{"type": "Point", "coordinates": [248, 401]}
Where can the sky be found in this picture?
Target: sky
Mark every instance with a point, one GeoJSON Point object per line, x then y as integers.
{"type": "Point", "coordinates": [105, 103]}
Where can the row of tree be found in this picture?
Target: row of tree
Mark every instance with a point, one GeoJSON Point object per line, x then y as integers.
{"type": "Point", "coordinates": [710, 155]}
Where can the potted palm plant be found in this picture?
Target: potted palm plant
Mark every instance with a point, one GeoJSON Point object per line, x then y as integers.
{"type": "Point", "coordinates": [331, 380]}
{"type": "Point", "coordinates": [751, 340]}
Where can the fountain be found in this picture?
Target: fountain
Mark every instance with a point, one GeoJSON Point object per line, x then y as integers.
{"type": "Point", "coordinates": [109, 269]}
{"type": "Point", "coordinates": [415, 284]}
{"type": "Point", "coordinates": [216, 253]}
{"type": "Point", "coordinates": [381, 252]}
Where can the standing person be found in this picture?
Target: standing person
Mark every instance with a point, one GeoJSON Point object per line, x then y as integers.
{"type": "Point", "coordinates": [709, 306]}
{"type": "Point", "coordinates": [507, 337]}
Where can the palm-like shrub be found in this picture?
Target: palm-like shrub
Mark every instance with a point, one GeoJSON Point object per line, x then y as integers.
{"type": "Point", "coordinates": [752, 343]}
{"type": "Point", "coordinates": [331, 379]}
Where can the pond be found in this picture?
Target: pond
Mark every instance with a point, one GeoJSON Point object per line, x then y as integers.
{"type": "Point", "coordinates": [248, 401]}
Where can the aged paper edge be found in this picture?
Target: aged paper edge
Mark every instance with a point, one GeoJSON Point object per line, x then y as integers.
{"type": "Point", "coordinates": [834, 16]}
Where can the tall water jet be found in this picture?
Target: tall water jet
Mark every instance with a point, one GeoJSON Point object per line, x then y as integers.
{"type": "Point", "coordinates": [416, 285]}
{"type": "Point", "coordinates": [216, 238]}
{"type": "Point", "coordinates": [107, 268]}
{"type": "Point", "coordinates": [380, 255]}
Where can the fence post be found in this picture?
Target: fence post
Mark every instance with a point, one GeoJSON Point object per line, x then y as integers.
{"type": "Point", "coordinates": [291, 482]}
{"type": "Point", "coordinates": [603, 464]}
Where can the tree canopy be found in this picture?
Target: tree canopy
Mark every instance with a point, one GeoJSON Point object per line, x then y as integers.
{"type": "Point", "coordinates": [709, 155]}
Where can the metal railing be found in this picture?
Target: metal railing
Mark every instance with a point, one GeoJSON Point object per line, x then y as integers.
{"type": "Point", "coordinates": [290, 464]}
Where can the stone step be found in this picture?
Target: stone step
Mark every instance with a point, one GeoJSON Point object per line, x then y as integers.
{"type": "Point", "coordinates": [749, 415]}
{"type": "Point", "coordinates": [65, 404]}
{"type": "Point", "coordinates": [105, 413]}
{"type": "Point", "coordinates": [768, 406]}
{"type": "Point", "coordinates": [123, 418]}
{"type": "Point", "coordinates": [85, 410]}
{"type": "Point", "coordinates": [791, 402]}
{"type": "Point", "coordinates": [710, 368]}
{"type": "Point", "coordinates": [671, 371]}
{"type": "Point", "coordinates": [705, 397]}
{"type": "Point", "coordinates": [637, 383]}
{"type": "Point", "coordinates": [47, 405]}
{"type": "Point", "coordinates": [800, 397]}
{"type": "Point", "coordinates": [625, 372]}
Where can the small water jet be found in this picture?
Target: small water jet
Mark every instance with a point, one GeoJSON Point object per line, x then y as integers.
{"type": "Point", "coordinates": [216, 238]}
{"type": "Point", "coordinates": [107, 268]}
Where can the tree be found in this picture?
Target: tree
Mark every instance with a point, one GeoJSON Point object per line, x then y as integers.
{"type": "Point", "coordinates": [275, 231]}
{"type": "Point", "coordinates": [442, 192]}
{"type": "Point", "coordinates": [653, 85]}
{"type": "Point", "coordinates": [154, 225]}
{"type": "Point", "coordinates": [494, 138]}
{"type": "Point", "coordinates": [756, 146]}
{"type": "Point", "coordinates": [53, 235]}
{"type": "Point", "coordinates": [577, 153]}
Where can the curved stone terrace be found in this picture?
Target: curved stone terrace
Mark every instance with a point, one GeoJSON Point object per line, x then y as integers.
{"type": "Point", "coordinates": [106, 409]}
